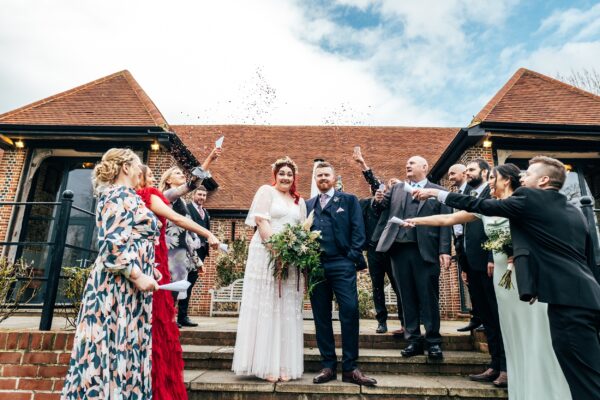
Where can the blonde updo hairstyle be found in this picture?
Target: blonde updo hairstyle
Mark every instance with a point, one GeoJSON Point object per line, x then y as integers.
{"type": "Point", "coordinates": [163, 185]}
{"type": "Point", "coordinates": [108, 169]}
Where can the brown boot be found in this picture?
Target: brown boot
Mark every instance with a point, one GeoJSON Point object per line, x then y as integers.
{"type": "Point", "coordinates": [489, 375]}
{"type": "Point", "coordinates": [502, 380]}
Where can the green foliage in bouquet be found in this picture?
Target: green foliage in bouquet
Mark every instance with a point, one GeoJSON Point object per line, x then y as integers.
{"type": "Point", "coordinates": [296, 246]}
{"type": "Point", "coordinates": [500, 241]}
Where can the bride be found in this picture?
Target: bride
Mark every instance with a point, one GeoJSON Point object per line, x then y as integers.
{"type": "Point", "coordinates": [270, 342]}
{"type": "Point", "coordinates": [532, 367]}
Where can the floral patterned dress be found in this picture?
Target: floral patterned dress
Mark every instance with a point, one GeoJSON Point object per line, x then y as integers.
{"type": "Point", "coordinates": [111, 357]}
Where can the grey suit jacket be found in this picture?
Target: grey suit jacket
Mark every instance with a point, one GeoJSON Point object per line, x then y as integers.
{"type": "Point", "coordinates": [432, 240]}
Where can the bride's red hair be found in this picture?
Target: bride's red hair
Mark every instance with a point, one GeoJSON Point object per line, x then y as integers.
{"type": "Point", "coordinates": [293, 187]}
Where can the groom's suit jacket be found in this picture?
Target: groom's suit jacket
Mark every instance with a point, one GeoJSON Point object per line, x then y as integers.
{"type": "Point", "coordinates": [432, 240]}
{"type": "Point", "coordinates": [348, 225]}
{"type": "Point", "coordinates": [552, 247]}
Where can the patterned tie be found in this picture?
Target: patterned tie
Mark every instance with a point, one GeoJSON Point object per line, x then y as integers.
{"type": "Point", "coordinates": [201, 211]}
{"type": "Point", "coordinates": [323, 199]}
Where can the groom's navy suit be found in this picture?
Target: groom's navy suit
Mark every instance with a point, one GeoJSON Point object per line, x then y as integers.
{"type": "Point", "coordinates": [342, 240]}
{"type": "Point", "coordinates": [554, 262]}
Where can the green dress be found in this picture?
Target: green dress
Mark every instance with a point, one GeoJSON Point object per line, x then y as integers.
{"type": "Point", "coordinates": [111, 357]}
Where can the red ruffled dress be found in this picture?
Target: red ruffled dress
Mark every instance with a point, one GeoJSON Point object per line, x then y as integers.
{"type": "Point", "coordinates": [167, 356]}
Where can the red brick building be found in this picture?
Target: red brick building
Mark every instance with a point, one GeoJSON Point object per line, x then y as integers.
{"type": "Point", "coordinates": [51, 145]}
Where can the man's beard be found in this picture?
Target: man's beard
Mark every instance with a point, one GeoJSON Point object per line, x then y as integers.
{"type": "Point", "coordinates": [476, 182]}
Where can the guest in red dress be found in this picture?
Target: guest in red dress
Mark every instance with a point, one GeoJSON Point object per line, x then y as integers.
{"type": "Point", "coordinates": [167, 357]}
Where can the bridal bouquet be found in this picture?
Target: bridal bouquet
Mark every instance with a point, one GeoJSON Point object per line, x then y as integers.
{"type": "Point", "coordinates": [499, 240]}
{"type": "Point", "coordinates": [297, 247]}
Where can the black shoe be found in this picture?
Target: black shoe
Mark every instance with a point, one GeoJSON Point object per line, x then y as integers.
{"type": "Point", "coordinates": [470, 326]}
{"type": "Point", "coordinates": [480, 328]}
{"type": "Point", "coordinates": [412, 349]}
{"type": "Point", "coordinates": [435, 352]}
{"type": "Point", "coordinates": [186, 322]}
{"type": "Point", "coordinates": [381, 328]}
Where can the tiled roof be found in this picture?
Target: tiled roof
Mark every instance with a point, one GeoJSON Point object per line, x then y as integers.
{"type": "Point", "coordinates": [115, 100]}
{"type": "Point", "coordinates": [249, 151]}
{"type": "Point", "coordinates": [530, 97]}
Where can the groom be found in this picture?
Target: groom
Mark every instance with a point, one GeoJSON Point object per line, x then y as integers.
{"type": "Point", "coordinates": [338, 217]}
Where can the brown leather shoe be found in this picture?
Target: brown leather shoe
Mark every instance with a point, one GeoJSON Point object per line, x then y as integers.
{"type": "Point", "coordinates": [357, 377]}
{"type": "Point", "coordinates": [502, 380]}
{"type": "Point", "coordinates": [398, 332]}
{"type": "Point", "coordinates": [325, 375]}
{"type": "Point", "coordinates": [488, 376]}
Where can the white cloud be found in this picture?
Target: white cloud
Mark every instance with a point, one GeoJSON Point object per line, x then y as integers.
{"type": "Point", "coordinates": [564, 59]}
{"type": "Point", "coordinates": [575, 23]}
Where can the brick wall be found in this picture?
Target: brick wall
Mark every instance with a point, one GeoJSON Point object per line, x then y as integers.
{"type": "Point", "coordinates": [11, 169]}
{"type": "Point", "coordinates": [200, 299]}
{"type": "Point", "coordinates": [33, 364]}
{"type": "Point", "coordinates": [159, 162]}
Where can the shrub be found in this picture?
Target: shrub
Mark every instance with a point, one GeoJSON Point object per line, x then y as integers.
{"type": "Point", "coordinates": [16, 286]}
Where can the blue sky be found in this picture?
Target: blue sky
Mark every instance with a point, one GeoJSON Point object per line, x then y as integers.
{"type": "Point", "coordinates": [344, 62]}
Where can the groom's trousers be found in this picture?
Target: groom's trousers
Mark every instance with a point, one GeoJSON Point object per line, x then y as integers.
{"type": "Point", "coordinates": [575, 340]}
{"type": "Point", "coordinates": [340, 278]}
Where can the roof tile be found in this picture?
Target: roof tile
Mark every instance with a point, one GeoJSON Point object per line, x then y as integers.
{"type": "Point", "coordinates": [250, 150]}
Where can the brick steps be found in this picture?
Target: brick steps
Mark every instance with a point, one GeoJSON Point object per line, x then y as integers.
{"type": "Point", "coordinates": [370, 361]}
{"type": "Point", "coordinates": [456, 342]}
{"type": "Point", "coordinates": [221, 385]}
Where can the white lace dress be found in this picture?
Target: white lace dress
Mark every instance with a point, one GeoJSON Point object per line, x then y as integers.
{"type": "Point", "coordinates": [270, 336]}
{"type": "Point", "coordinates": [532, 367]}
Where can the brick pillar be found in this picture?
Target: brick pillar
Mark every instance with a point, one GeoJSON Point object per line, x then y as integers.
{"type": "Point", "coordinates": [11, 169]}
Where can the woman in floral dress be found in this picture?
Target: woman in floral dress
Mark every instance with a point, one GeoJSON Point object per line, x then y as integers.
{"type": "Point", "coordinates": [167, 355]}
{"type": "Point", "coordinates": [111, 357]}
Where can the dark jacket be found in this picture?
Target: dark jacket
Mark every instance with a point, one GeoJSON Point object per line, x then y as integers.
{"type": "Point", "coordinates": [432, 240]}
{"type": "Point", "coordinates": [552, 248]}
{"type": "Point", "coordinates": [474, 236]}
{"type": "Point", "coordinates": [370, 218]}
{"type": "Point", "coordinates": [203, 222]}
{"type": "Point", "coordinates": [349, 228]}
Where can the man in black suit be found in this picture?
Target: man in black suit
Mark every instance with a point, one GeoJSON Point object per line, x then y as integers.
{"type": "Point", "coordinates": [479, 266]}
{"type": "Point", "coordinates": [555, 264]}
{"type": "Point", "coordinates": [416, 258]}
{"type": "Point", "coordinates": [337, 216]}
{"type": "Point", "coordinates": [379, 263]}
{"type": "Point", "coordinates": [200, 215]}
{"type": "Point", "coordinates": [458, 178]}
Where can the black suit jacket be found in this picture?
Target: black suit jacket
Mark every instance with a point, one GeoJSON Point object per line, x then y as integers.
{"type": "Point", "coordinates": [370, 218]}
{"type": "Point", "coordinates": [203, 222]}
{"type": "Point", "coordinates": [474, 236]}
{"type": "Point", "coordinates": [349, 228]}
{"type": "Point", "coordinates": [432, 240]}
{"type": "Point", "coordinates": [551, 242]}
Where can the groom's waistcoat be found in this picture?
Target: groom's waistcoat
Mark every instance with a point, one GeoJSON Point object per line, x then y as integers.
{"type": "Point", "coordinates": [324, 222]}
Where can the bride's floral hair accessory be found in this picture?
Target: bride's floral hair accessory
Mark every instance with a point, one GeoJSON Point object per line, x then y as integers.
{"type": "Point", "coordinates": [285, 161]}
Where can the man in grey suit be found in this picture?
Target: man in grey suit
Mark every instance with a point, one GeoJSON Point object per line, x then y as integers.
{"type": "Point", "coordinates": [416, 258]}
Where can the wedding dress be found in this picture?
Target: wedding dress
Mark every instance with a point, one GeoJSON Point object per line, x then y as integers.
{"type": "Point", "coordinates": [270, 341]}
{"type": "Point", "coordinates": [532, 368]}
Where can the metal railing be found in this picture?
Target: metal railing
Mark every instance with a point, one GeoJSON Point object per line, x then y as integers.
{"type": "Point", "coordinates": [56, 252]}
{"type": "Point", "coordinates": [591, 214]}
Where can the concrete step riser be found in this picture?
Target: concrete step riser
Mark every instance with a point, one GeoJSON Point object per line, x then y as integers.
{"type": "Point", "coordinates": [458, 343]}
{"type": "Point", "coordinates": [313, 366]}
{"type": "Point", "coordinates": [202, 395]}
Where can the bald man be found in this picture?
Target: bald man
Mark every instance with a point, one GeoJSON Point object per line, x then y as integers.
{"type": "Point", "coordinates": [416, 256]}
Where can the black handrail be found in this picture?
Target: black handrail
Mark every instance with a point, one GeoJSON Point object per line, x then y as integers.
{"type": "Point", "coordinates": [57, 247]}
{"type": "Point", "coordinates": [587, 207]}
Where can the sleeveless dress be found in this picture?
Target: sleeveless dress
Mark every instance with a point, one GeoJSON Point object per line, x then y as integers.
{"type": "Point", "coordinates": [167, 355]}
{"type": "Point", "coordinates": [111, 357]}
{"type": "Point", "coordinates": [270, 335]}
{"type": "Point", "coordinates": [531, 364]}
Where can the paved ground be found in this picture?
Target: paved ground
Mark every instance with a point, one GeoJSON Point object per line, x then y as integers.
{"type": "Point", "coordinates": [224, 324]}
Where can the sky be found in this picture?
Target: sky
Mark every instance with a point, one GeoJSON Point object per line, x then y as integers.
{"type": "Point", "coordinates": [289, 62]}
